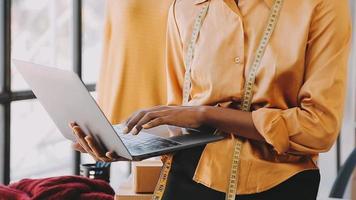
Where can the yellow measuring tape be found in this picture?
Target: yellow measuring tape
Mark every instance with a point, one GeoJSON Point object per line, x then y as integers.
{"type": "Point", "coordinates": [162, 181]}
{"type": "Point", "coordinates": [248, 93]}
{"type": "Point", "coordinates": [245, 105]}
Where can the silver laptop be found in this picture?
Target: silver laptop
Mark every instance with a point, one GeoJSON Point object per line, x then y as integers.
{"type": "Point", "coordinates": [66, 99]}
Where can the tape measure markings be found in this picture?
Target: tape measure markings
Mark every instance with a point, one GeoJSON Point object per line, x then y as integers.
{"type": "Point", "coordinates": [248, 93]}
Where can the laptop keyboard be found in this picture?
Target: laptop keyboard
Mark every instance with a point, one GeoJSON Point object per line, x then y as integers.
{"type": "Point", "coordinates": [143, 142]}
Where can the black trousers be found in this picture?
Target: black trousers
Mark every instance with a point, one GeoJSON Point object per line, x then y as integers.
{"type": "Point", "coordinates": [180, 186]}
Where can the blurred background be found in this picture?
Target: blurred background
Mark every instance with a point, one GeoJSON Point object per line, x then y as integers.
{"type": "Point", "coordinates": [46, 32]}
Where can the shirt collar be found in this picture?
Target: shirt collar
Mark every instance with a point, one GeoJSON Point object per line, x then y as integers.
{"type": "Point", "coordinates": [268, 2]}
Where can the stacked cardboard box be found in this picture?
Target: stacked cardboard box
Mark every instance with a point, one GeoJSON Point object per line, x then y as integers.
{"type": "Point", "coordinates": [142, 183]}
{"type": "Point", "coordinates": [126, 192]}
{"type": "Point", "coordinates": [145, 175]}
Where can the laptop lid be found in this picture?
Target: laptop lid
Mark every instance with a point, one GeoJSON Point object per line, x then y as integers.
{"type": "Point", "coordinates": [65, 105]}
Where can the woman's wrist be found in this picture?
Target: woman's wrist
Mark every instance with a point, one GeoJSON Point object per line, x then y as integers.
{"type": "Point", "coordinates": [205, 114]}
{"type": "Point", "coordinates": [230, 120]}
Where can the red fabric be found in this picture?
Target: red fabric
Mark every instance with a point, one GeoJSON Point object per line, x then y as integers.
{"type": "Point", "coordinates": [58, 188]}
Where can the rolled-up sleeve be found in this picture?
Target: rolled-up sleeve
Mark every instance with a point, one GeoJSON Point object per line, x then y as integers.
{"type": "Point", "coordinates": [174, 60]}
{"type": "Point", "coordinates": [313, 126]}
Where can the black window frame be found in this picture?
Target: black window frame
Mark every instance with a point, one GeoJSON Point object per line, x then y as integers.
{"type": "Point", "coordinates": [7, 95]}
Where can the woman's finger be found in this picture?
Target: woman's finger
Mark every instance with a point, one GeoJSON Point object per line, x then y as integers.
{"type": "Point", "coordinates": [156, 122]}
{"type": "Point", "coordinates": [81, 139]}
{"type": "Point", "coordinates": [147, 118]}
{"type": "Point", "coordinates": [78, 131]}
{"type": "Point", "coordinates": [76, 146]}
{"type": "Point", "coordinates": [72, 124]}
{"type": "Point", "coordinates": [82, 142]}
{"type": "Point", "coordinates": [113, 156]}
{"type": "Point", "coordinates": [126, 122]}
{"type": "Point", "coordinates": [94, 146]}
{"type": "Point", "coordinates": [131, 125]}
{"type": "Point", "coordinates": [98, 152]}
{"type": "Point", "coordinates": [133, 120]}
{"type": "Point", "coordinates": [85, 146]}
{"type": "Point", "coordinates": [110, 155]}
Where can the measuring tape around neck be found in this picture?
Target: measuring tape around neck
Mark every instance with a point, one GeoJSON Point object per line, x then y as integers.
{"type": "Point", "coordinates": [248, 93]}
{"type": "Point", "coordinates": [190, 54]}
{"type": "Point", "coordinates": [245, 105]}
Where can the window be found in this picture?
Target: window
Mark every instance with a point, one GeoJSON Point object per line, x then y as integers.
{"type": "Point", "coordinates": [40, 34]}
{"type": "Point", "coordinates": [93, 20]}
{"type": "Point", "coordinates": [60, 34]}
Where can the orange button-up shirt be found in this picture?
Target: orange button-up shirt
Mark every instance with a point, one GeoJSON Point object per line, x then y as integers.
{"type": "Point", "coordinates": [299, 91]}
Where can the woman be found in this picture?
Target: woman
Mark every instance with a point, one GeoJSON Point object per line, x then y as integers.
{"type": "Point", "coordinates": [271, 75]}
{"type": "Point", "coordinates": [133, 57]}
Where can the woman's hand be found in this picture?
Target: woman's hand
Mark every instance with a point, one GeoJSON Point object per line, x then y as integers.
{"type": "Point", "coordinates": [182, 116]}
{"type": "Point", "coordinates": [86, 144]}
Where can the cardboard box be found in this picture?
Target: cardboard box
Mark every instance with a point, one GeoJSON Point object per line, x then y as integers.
{"type": "Point", "coordinates": [145, 175]}
{"type": "Point", "coordinates": [126, 192]}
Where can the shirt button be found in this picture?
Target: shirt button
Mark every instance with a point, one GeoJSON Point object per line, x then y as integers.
{"type": "Point", "coordinates": [237, 60]}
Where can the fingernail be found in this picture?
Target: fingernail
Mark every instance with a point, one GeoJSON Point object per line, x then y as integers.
{"type": "Point", "coordinates": [145, 126]}
{"type": "Point", "coordinates": [125, 130]}
{"type": "Point", "coordinates": [134, 131]}
{"type": "Point", "coordinates": [75, 132]}
{"type": "Point", "coordinates": [87, 138]}
{"type": "Point", "coordinates": [75, 129]}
